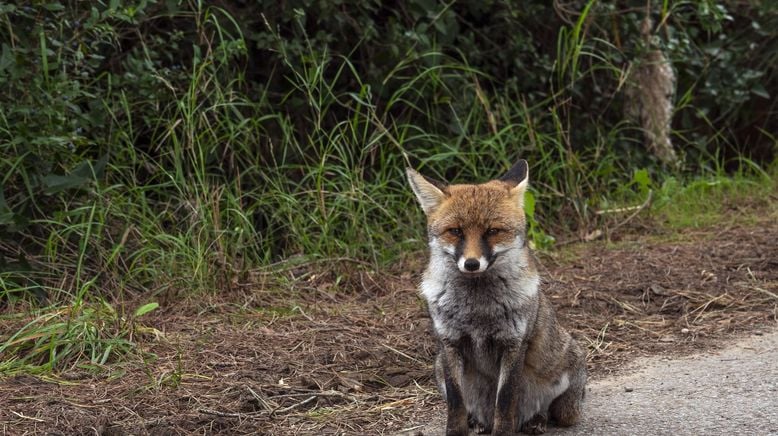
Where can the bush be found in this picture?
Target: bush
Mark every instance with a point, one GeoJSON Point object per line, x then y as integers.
{"type": "Point", "coordinates": [174, 145]}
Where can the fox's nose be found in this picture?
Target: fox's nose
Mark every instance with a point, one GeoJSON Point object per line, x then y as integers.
{"type": "Point", "coordinates": [472, 264]}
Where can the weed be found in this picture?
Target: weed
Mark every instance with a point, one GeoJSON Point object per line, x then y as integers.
{"type": "Point", "coordinates": [60, 338]}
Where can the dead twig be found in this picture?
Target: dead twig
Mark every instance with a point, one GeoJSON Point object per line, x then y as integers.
{"type": "Point", "coordinates": [20, 415]}
{"type": "Point", "coordinates": [261, 400]}
{"type": "Point", "coordinates": [329, 393]}
{"type": "Point", "coordinates": [296, 405]}
{"type": "Point", "coordinates": [230, 414]}
{"type": "Point", "coordinates": [636, 212]}
{"type": "Point", "coordinates": [764, 291]}
{"type": "Point", "coordinates": [402, 354]}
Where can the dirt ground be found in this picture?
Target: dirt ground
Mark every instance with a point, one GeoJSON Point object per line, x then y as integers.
{"type": "Point", "coordinates": [343, 350]}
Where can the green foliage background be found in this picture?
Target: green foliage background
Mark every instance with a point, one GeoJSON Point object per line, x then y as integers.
{"type": "Point", "coordinates": [169, 146]}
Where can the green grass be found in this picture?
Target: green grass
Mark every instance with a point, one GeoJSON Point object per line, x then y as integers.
{"type": "Point", "coordinates": [704, 202]}
{"type": "Point", "coordinates": [85, 335]}
{"type": "Point", "coordinates": [710, 200]}
{"type": "Point", "coordinates": [677, 202]}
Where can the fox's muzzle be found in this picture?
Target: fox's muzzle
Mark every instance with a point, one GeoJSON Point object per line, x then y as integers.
{"type": "Point", "coordinates": [471, 265]}
{"type": "Point", "coordinates": [473, 253]}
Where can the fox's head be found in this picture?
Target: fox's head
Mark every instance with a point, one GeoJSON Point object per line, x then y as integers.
{"type": "Point", "coordinates": [474, 224]}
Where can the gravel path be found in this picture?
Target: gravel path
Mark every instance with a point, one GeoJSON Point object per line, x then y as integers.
{"type": "Point", "coordinates": [732, 392]}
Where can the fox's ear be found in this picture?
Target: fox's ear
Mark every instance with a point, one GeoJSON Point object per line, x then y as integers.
{"type": "Point", "coordinates": [428, 191]}
{"type": "Point", "coordinates": [518, 178]}
{"type": "Point", "coordinates": [517, 174]}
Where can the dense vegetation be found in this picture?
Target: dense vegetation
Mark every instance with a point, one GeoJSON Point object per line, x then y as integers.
{"type": "Point", "coordinates": [151, 147]}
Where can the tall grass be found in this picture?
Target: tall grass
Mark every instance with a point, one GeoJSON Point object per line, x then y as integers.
{"type": "Point", "coordinates": [213, 180]}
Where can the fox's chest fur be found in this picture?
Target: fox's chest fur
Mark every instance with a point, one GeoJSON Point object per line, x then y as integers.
{"type": "Point", "coordinates": [497, 306]}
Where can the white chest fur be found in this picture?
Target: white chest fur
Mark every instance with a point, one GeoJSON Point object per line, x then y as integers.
{"type": "Point", "coordinates": [490, 307]}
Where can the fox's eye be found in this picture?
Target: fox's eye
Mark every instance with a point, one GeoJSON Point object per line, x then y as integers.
{"type": "Point", "coordinates": [492, 232]}
{"type": "Point", "coordinates": [456, 231]}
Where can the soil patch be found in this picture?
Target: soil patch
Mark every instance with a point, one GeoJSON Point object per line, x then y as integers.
{"type": "Point", "coordinates": [345, 351]}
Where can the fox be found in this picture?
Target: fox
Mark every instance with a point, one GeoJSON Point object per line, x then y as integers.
{"type": "Point", "coordinates": [504, 364]}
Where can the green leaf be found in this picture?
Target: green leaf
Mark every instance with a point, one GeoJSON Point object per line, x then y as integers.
{"type": "Point", "coordinates": [529, 204]}
{"type": "Point", "coordinates": [146, 308]}
{"type": "Point", "coordinates": [6, 214]}
{"type": "Point", "coordinates": [81, 175]}
{"type": "Point", "coordinates": [6, 218]}
{"type": "Point", "coordinates": [642, 179]}
{"type": "Point", "coordinates": [54, 7]}
{"type": "Point", "coordinates": [88, 169]}
{"type": "Point", "coordinates": [6, 58]}
{"type": "Point", "coordinates": [759, 89]}
{"type": "Point", "coordinates": [55, 183]}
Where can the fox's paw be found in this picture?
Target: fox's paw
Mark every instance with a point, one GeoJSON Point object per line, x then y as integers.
{"type": "Point", "coordinates": [477, 426]}
{"type": "Point", "coordinates": [481, 429]}
{"type": "Point", "coordinates": [536, 424]}
{"type": "Point", "coordinates": [457, 427]}
{"type": "Point", "coordinates": [504, 430]}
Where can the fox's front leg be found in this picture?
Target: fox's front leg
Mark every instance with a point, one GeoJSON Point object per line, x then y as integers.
{"type": "Point", "coordinates": [508, 384]}
{"type": "Point", "coordinates": [453, 366]}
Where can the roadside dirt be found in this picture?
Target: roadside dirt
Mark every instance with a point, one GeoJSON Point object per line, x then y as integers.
{"type": "Point", "coordinates": [337, 349]}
